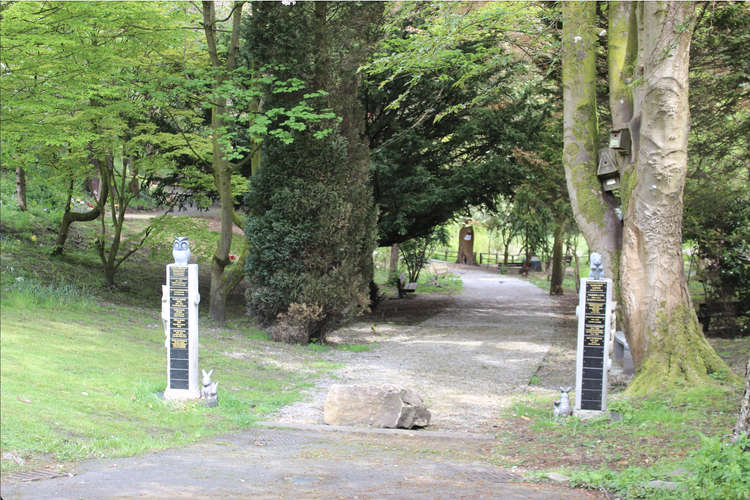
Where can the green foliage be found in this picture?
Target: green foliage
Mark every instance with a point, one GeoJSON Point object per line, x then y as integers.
{"type": "Point", "coordinates": [717, 213]}
{"type": "Point", "coordinates": [717, 221]}
{"type": "Point", "coordinates": [416, 252]}
{"type": "Point", "coordinates": [447, 113]}
{"type": "Point", "coordinates": [311, 217]}
{"type": "Point", "coordinates": [717, 471]}
{"type": "Point", "coordinates": [720, 470]}
{"type": "Point", "coordinates": [308, 234]}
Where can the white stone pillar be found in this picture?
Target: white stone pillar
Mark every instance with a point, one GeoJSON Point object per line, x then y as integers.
{"type": "Point", "coordinates": [180, 299]}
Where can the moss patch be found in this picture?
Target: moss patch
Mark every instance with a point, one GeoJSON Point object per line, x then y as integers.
{"type": "Point", "coordinates": [680, 357]}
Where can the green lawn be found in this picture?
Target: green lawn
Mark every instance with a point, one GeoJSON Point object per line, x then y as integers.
{"type": "Point", "coordinates": [648, 439]}
{"type": "Point", "coordinates": [83, 380]}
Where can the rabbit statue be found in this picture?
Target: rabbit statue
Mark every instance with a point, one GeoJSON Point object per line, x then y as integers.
{"type": "Point", "coordinates": [206, 384]}
{"type": "Point", "coordinates": [562, 407]}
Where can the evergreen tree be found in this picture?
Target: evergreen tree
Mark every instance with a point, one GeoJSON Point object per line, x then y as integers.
{"type": "Point", "coordinates": [311, 214]}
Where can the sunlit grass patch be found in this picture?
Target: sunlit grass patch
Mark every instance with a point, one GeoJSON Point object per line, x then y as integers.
{"type": "Point", "coordinates": [85, 381]}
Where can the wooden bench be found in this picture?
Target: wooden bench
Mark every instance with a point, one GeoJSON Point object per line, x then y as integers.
{"type": "Point", "coordinates": [509, 266]}
{"type": "Point", "coordinates": [438, 268]}
{"type": "Point", "coordinates": [404, 286]}
{"type": "Point", "coordinates": [722, 314]}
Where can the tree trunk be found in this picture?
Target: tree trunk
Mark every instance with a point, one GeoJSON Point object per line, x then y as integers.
{"type": "Point", "coordinates": [21, 188]}
{"type": "Point", "coordinates": [621, 57]}
{"type": "Point", "coordinates": [393, 265]}
{"type": "Point", "coordinates": [220, 260]}
{"type": "Point", "coordinates": [558, 270]}
{"type": "Point", "coordinates": [663, 331]}
{"type": "Point", "coordinates": [593, 210]}
{"type": "Point", "coordinates": [222, 169]}
{"type": "Point", "coordinates": [743, 420]}
{"type": "Point", "coordinates": [69, 217]}
{"type": "Point", "coordinates": [466, 246]}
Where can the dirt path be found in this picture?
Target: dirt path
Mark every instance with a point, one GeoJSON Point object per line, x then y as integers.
{"type": "Point", "coordinates": [466, 355]}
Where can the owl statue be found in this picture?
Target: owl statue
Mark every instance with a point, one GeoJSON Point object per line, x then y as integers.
{"type": "Point", "coordinates": [181, 251]}
{"type": "Point", "coordinates": [597, 269]}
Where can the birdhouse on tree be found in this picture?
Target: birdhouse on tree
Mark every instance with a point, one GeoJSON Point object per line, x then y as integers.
{"type": "Point", "coordinates": [608, 171]}
{"type": "Point", "coordinates": [619, 140]}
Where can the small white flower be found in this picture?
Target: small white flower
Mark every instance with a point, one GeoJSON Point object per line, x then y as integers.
{"type": "Point", "coordinates": [288, 2]}
{"type": "Point", "coordinates": [577, 39]}
{"type": "Point", "coordinates": [602, 32]}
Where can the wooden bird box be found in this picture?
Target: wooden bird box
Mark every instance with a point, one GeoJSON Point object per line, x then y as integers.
{"type": "Point", "coordinates": [620, 140]}
{"type": "Point", "coordinates": [608, 171]}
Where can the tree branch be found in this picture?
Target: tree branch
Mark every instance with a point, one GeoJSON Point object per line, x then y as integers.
{"type": "Point", "coordinates": [209, 27]}
{"type": "Point", "coordinates": [137, 247]}
{"type": "Point", "coordinates": [184, 136]}
{"type": "Point", "coordinates": [234, 44]}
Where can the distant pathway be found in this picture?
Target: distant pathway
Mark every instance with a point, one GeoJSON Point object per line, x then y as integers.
{"type": "Point", "coordinates": [466, 360]}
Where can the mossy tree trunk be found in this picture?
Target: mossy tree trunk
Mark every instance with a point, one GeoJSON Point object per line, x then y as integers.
{"type": "Point", "coordinates": [594, 212]}
{"type": "Point", "coordinates": [665, 337]}
{"type": "Point", "coordinates": [649, 54]}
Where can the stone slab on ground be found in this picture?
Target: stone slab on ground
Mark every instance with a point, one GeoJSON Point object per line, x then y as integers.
{"type": "Point", "coordinates": [386, 405]}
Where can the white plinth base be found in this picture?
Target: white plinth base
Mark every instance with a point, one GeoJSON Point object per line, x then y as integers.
{"type": "Point", "coordinates": [587, 414]}
{"type": "Point", "coordinates": [180, 394]}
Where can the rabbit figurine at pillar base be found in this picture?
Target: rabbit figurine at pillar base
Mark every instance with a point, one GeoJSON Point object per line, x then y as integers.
{"type": "Point", "coordinates": [209, 390]}
{"type": "Point", "coordinates": [562, 407]}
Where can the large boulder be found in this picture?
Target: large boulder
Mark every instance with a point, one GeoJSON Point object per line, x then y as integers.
{"type": "Point", "coordinates": [386, 406]}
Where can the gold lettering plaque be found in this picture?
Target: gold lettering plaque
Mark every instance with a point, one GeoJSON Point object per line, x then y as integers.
{"type": "Point", "coordinates": [179, 344]}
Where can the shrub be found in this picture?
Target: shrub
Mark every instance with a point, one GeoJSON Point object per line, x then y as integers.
{"type": "Point", "coordinates": [295, 325]}
{"type": "Point", "coordinates": [312, 224]}
{"type": "Point", "coordinates": [416, 251]}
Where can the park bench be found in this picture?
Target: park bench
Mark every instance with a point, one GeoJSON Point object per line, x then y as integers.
{"type": "Point", "coordinates": [438, 268]}
{"type": "Point", "coordinates": [404, 286]}
{"type": "Point", "coordinates": [722, 314]}
{"type": "Point", "coordinates": [622, 353]}
{"type": "Point", "coordinates": [509, 266]}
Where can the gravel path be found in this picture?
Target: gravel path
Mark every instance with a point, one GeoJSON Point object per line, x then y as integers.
{"type": "Point", "coordinates": [466, 361]}
{"type": "Point", "coordinates": [466, 355]}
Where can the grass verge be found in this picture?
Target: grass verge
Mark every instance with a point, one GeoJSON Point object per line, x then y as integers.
{"type": "Point", "coordinates": [81, 379]}
{"type": "Point", "coordinates": [655, 438]}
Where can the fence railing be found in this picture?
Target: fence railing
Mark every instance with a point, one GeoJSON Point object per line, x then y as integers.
{"type": "Point", "coordinates": [489, 258]}
{"type": "Point", "coordinates": [445, 254]}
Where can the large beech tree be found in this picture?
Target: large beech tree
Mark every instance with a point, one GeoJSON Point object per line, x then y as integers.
{"type": "Point", "coordinates": [648, 52]}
